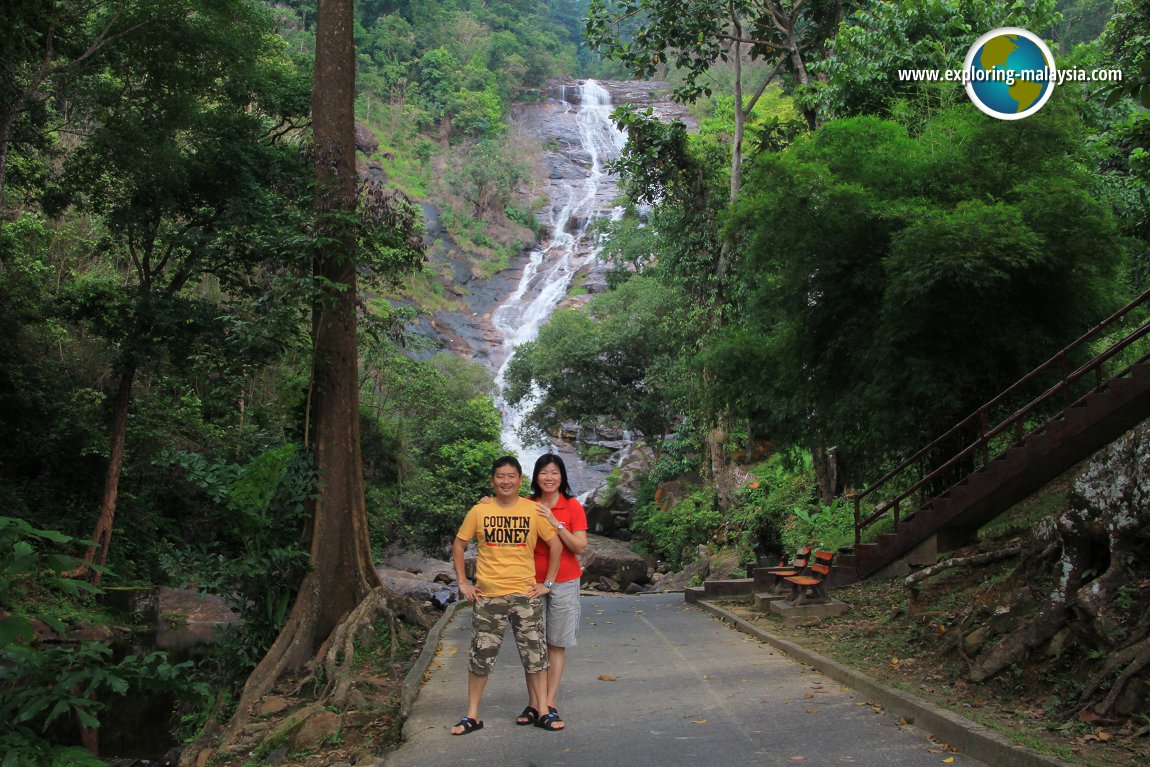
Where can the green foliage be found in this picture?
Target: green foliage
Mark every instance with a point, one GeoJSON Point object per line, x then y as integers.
{"type": "Point", "coordinates": [489, 176]}
{"type": "Point", "coordinates": [614, 363]}
{"type": "Point", "coordinates": [827, 527]}
{"type": "Point", "coordinates": [764, 511]}
{"type": "Point", "coordinates": [25, 567]}
{"type": "Point", "coordinates": [429, 435]}
{"type": "Point", "coordinates": [42, 684]}
{"type": "Point", "coordinates": [646, 35]}
{"type": "Point", "coordinates": [948, 257]}
{"type": "Point", "coordinates": [674, 534]}
{"type": "Point", "coordinates": [879, 39]}
{"type": "Point", "coordinates": [257, 560]}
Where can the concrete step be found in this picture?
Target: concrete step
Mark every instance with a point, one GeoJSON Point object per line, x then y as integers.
{"type": "Point", "coordinates": [763, 599]}
{"type": "Point", "coordinates": [731, 587]}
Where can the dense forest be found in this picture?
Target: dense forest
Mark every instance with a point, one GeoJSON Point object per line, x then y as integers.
{"type": "Point", "coordinates": [834, 268]}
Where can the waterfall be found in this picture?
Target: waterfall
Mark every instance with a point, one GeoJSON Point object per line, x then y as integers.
{"type": "Point", "coordinates": [574, 205]}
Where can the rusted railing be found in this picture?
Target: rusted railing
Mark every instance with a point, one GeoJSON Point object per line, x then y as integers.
{"type": "Point", "coordinates": [980, 448]}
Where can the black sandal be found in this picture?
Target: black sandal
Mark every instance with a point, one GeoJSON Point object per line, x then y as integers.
{"type": "Point", "coordinates": [548, 720]}
{"type": "Point", "coordinates": [529, 714]}
{"type": "Point", "coordinates": [469, 725]}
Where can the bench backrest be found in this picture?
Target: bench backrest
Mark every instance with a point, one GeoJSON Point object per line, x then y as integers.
{"type": "Point", "coordinates": [802, 556]}
{"type": "Point", "coordinates": [823, 560]}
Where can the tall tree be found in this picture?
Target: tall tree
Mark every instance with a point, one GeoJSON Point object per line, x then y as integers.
{"type": "Point", "coordinates": [41, 42]}
{"type": "Point", "coordinates": [939, 270]}
{"type": "Point", "coordinates": [178, 162]}
{"type": "Point", "coordinates": [342, 588]}
{"type": "Point", "coordinates": [645, 35]}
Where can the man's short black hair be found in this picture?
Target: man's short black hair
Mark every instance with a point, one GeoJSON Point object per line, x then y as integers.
{"type": "Point", "coordinates": [507, 460]}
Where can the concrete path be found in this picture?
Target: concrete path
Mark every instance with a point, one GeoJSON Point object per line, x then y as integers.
{"type": "Point", "coordinates": [687, 689]}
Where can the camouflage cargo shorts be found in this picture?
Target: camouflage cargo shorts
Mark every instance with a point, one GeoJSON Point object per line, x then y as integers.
{"type": "Point", "coordinates": [489, 622]}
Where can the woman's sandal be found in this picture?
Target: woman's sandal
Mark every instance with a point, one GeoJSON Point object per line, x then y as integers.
{"type": "Point", "coordinates": [469, 725]}
{"type": "Point", "coordinates": [548, 720]}
{"type": "Point", "coordinates": [529, 716]}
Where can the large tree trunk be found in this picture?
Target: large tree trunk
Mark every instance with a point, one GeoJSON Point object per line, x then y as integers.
{"type": "Point", "coordinates": [97, 553]}
{"type": "Point", "coordinates": [342, 572]}
{"type": "Point", "coordinates": [340, 548]}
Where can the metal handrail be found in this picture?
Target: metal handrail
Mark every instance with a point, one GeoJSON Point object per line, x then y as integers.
{"type": "Point", "coordinates": [1015, 419]}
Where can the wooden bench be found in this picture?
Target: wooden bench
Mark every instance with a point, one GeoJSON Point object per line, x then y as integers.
{"type": "Point", "coordinates": [797, 566]}
{"type": "Point", "coordinates": [813, 584]}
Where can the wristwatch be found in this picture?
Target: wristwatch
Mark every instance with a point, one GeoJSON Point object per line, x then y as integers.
{"type": "Point", "coordinates": [560, 526]}
{"type": "Point", "coordinates": [548, 584]}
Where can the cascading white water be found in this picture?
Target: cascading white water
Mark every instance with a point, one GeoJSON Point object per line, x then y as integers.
{"type": "Point", "coordinates": [575, 204]}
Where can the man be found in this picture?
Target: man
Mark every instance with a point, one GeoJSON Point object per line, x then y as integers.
{"type": "Point", "coordinates": [505, 590]}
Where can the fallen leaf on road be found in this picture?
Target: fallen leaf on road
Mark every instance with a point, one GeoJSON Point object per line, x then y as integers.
{"type": "Point", "coordinates": [948, 760]}
{"type": "Point", "coordinates": [706, 676]}
{"type": "Point", "coordinates": [810, 711]}
{"type": "Point", "coordinates": [607, 677]}
{"type": "Point", "coordinates": [809, 695]}
{"type": "Point", "coordinates": [798, 758]}
{"type": "Point", "coordinates": [698, 721]}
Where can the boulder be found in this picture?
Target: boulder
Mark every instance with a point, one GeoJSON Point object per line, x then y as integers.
{"type": "Point", "coordinates": [669, 494]}
{"type": "Point", "coordinates": [696, 572]}
{"type": "Point", "coordinates": [614, 560]}
{"type": "Point", "coordinates": [314, 729]}
{"type": "Point", "coordinates": [725, 564]}
{"type": "Point", "coordinates": [197, 608]}
{"type": "Point", "coordinates": [365, 140]}
{"type": "Point", "coordinates": [273, 704]}
{"type": "Point", "coordinates": [416, 563]}
{"type": "Point", "coordinates": [419, 589]}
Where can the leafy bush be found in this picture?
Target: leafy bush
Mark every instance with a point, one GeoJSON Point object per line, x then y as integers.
{"type": "Point", "coordinates": [762, 510]}
{"type": "Point", "coordinates": [672, 535]}
{"type": "Point", "coordinates": [828, 527]}
{"type": "Point", "coordinates": [41, 685]}
{"type": "Point", "coordinates": [258, 562]}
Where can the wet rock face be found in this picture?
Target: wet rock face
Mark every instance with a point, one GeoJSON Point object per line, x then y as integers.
{"type": "Point", "coordinates": [609, 508]}
{"type": "Point", "coordinates": [564, 163]}
{"type": "Point", "coordinates": [639, 93]}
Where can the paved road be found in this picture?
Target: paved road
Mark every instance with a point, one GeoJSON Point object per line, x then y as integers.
{"type": "Point", "coordinates": [687, 690]}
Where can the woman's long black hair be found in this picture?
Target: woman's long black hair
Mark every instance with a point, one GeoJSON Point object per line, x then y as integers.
{"type": "Point", "coordinates": [543, 461]}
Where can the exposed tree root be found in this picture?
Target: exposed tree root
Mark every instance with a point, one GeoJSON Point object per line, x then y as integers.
{"type": "Point", "coordinates": [914, 579]}
{"type": "Point", "coordinates": [1016, 645]}
{"type": "Point", "coordinates": [335, 657]}
{"type": "Point", "coordinates": [1131, 660]}
{"type": "Point", "coordinates": [1103, 535]}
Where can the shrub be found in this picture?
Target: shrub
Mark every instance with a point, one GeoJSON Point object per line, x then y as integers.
{"type": "Point", "coordinates": [673, 535]}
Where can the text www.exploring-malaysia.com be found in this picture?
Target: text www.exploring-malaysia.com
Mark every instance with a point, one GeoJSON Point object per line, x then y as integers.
{"type": "Point", "coordinates": [1010, 76]}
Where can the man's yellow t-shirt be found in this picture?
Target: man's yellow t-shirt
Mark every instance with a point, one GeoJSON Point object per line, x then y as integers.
{"type": "Point", "coordinates": [506, 538]}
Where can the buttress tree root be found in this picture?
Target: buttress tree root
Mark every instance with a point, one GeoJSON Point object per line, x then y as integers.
{"type": "Point", "coordinates": [1101, 590]}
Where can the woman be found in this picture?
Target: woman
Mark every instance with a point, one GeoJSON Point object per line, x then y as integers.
{"type": "Point", "coordinates": [556, 504]}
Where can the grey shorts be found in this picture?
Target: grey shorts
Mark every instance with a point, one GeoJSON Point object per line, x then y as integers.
{"type": "Point", "coordinates": [489, 622]}
{"type": "Point", "coordinates": [563, 613]}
